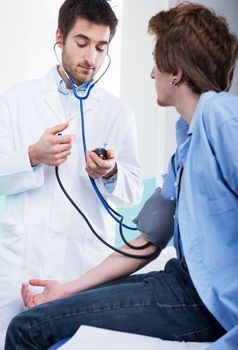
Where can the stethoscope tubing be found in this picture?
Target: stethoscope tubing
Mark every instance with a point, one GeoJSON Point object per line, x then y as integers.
{"type": "Point", "coordinates": [146, 256]}
{"type": "Point", "coordinates": [108, 208]}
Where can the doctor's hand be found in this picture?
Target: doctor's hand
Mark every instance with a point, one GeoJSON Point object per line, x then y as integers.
{"type": "Point", "coordinates": [97, 167]}
{"type": "Point", "coordinates": [52, 290]}
{"type": "Point", "coordinates": [51, 149]}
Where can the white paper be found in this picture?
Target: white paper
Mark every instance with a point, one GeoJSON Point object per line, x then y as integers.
{"type": "Point", "coordinates": [91, 338]}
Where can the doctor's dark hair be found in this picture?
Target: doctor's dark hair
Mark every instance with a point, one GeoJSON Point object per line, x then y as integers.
{"type": "Point", "coordinates": [95, 11]}
{"type": "Point", "coordinates": [192, 39]}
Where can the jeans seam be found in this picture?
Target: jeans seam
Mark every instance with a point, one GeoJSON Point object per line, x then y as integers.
{"type": "Point", "coordinates": [76, 314]}
{"type": "Point", "coordinates": [196, 331]}
{"type": "Point", "coordinates": [179, 306]}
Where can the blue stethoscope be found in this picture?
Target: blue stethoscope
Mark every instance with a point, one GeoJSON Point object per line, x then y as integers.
{"type": "Point", "coordinates": [108, 208]}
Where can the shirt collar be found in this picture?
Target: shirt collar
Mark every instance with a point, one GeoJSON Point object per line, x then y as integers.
{"type": "Point", "coordinates": [62, 87]}
{"type": "Point", "coordinates": [181, 131]}
{"type": "Point", "coordinates": [204, 97]}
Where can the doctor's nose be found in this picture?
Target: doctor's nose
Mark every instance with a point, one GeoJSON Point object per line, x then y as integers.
{"type": "Point", "coordinates": [90, 56]}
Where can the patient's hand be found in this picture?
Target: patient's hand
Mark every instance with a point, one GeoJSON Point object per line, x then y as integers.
{"type": "Point", "coordinates": [52, 290]}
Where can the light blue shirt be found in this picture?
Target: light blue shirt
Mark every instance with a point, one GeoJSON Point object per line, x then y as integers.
{"type": "Point", "coordinates": [206, 219]}
{"type": "Point", "coordinates": [71, 108]}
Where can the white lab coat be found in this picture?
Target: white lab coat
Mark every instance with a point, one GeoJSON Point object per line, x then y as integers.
{"type": "Point", "coordinates": [41, 234]}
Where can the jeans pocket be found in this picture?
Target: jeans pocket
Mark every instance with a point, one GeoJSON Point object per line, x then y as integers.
{"type": "Point", "coordinates": [206, 334]}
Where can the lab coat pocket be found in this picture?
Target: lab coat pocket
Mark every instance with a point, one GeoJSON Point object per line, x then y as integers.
{"type": "Point", "coordinates": [12, 237]}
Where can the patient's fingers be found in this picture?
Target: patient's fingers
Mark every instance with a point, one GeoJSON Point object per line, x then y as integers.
{"type": "Point", "coordinates": [37, 282]}
{"type": "Point", "coordinates": [38, 299]}
{"type": "Point", "coordinates": [27, 296]}
{"type": "Point", "coordinates": [24, 289]}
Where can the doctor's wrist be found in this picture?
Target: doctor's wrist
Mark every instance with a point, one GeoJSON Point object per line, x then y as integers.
{"type": "Point", "coordinates": [112, 173]}
{"type": "Point", "coordinates": [32, 155]}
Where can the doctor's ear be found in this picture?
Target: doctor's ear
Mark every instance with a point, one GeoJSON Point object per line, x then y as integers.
{"type": "Point", "coordinates": [59, 38]}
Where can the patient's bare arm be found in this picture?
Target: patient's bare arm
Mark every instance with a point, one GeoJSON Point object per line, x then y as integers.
{"type": "Point", "coordinates": [113, 267]}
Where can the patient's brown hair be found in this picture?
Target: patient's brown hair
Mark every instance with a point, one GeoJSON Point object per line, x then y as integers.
{"type": "Point", "coordinates": [193, 39]}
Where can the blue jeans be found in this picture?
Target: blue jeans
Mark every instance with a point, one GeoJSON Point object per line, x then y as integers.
{"type": "Point", "coordinates": [160, 304]}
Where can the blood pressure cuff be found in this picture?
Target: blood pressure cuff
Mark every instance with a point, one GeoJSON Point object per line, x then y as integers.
{"type": "Point", "coordinates": [156, 219]}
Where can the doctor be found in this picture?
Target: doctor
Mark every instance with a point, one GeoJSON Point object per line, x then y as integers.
{"type": "Point", "coordinates": [41, 234]}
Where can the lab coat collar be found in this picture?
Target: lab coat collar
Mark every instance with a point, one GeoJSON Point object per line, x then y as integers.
{"type": "Point", "coordinates": [50, 94]}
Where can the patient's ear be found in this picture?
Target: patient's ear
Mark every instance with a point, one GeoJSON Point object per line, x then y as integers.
{"type": "Point", "coordinates": [59, 38]}
{"type": "Point", "coordinates": [176, 77]}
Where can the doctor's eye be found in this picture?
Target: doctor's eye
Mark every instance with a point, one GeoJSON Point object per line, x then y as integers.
{"type": "Point", "coordinates": [101, 47]}
{"type": "Point", "coordinates": [81, 44]}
